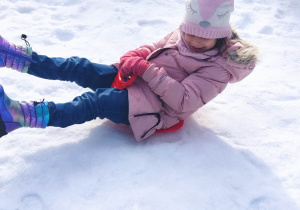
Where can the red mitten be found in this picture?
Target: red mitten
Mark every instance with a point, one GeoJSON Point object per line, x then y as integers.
{"type": "Point", "coordinates": [134, 65]}
{"type": "Point", "coordinates": [134, 62]}
{"type": "Point", "coordinates": [140, 52]}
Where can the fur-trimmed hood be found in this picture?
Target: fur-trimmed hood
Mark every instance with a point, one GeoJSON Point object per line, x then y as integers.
{"type": "Point", "coordinates": [241, 58]}
{"type": "Point", "coordinates": [245, 55]}
{"type": "Point", "coordinates": [238, 58]}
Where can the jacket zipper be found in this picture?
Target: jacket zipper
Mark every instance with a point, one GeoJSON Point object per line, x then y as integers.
{"type": "Point", "coordinates": [157, 53]}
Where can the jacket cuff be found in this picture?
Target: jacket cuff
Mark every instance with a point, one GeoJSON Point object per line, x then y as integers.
{"type": "Point", "coordinates": [151, 73]}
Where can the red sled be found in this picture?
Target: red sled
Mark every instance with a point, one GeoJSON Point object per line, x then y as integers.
{"type": "Point", "coordinates": [121, 84]}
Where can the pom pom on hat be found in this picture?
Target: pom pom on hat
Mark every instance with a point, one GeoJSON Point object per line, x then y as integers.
{"type": "Point", "coordinates": [208, 18]}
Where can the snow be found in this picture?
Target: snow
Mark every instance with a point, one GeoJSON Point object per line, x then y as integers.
{"type": "Point", "coordinates": [239, 152]}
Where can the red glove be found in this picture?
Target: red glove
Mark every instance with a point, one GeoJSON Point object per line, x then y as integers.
{"type": "Point", "coordinates": [133, 62]}
{"type": "Point", "coordinates": [140, 52]}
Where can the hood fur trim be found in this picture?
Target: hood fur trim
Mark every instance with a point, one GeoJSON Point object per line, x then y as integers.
{"type": "Point", "coordinates": [245, 55]}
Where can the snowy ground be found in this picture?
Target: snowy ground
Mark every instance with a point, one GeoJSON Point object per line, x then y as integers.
{"type": "Point", "coordinates": [240, 152]}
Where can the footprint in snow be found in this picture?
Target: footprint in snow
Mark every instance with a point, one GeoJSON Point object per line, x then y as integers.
{"type": "Point", "coordinates": [64, 35]}
{"type": "Point", "coordinates": [150, 22]}
{"type": "Point", "coordinates": [245, 20]}
{"type": "Point", "coordinates": [259, 203]}
{"type": "Point", "coordinates": [25, 10]}
{"type": "Point", "coordinates": [32, 202]}
{"type": "Point", "coordinates": [267, 30]}
{"type": "Point", "coordinates": [280, 14]}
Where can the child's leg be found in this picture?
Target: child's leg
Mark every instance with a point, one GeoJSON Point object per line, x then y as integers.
{"type": "Point", "coordinates": [15, 57]}
{"type": "Point", "coordinates": [79, 70]}
{"type": "Point", "coordinates": [109, 103]}
{"type": "Point", "coordinates": [74, 69]}
{"type": "Point", "coordinates": [15, 114]}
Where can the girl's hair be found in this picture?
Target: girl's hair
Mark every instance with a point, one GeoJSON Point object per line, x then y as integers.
{"type": "Point", "coordinates": [221, 45]}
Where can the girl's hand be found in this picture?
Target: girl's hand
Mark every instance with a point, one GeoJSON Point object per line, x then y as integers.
{"type": "Point", "coordinates": [134, 62]}
{"type": "Point", "coordinates": [139, 52]}
{"type": "Point", "coordinates": [134, 66]}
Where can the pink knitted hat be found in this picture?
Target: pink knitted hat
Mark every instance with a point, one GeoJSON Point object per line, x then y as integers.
{"type": "Point", "coordinates": [208, 18]}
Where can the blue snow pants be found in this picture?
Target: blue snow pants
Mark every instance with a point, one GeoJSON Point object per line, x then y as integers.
{"type": "Point", "coordinates": [102, 101]}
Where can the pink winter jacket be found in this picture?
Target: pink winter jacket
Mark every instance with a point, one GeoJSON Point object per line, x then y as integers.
{"type": "Point", "coordinates": [181, 81]}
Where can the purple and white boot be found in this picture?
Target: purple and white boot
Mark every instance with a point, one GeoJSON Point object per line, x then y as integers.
{"type": "Point", "coordinates": [14, 114]}
{"type": "Point", "coordinates": [16, 57]}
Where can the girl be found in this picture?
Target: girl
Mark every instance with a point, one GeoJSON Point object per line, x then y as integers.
{"type": "Point", "coordinates": [175, 76]}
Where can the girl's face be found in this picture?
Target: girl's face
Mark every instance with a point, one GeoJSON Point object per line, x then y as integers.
{"type": "Point", "coordinates": [199, 44]}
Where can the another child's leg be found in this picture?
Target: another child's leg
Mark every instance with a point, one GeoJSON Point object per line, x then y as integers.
{"type": "Point", "coordinates": [16, 114]}
{"type": "Point", "coordinates": [106, 103]}
{"type": "Point", "coordinates": [74, 69]}
{"type": "Point", "coordinates": [79, 70]}
{"type": "Point", "coordinates": [15, 57]}
{"type": "Point", "coordinates": [109, 103]}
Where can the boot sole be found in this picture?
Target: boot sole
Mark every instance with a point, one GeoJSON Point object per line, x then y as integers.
{"type": "Point", "coordinates": [2, 128]}
{"type": "Point", "coordinates": [2, 125]}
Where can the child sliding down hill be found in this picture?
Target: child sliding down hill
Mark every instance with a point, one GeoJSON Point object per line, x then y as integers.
{"type": "Point", "coordinates": [175, 76]}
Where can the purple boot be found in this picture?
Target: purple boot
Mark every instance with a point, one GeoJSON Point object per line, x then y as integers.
{"type": "Point", "coordinates": [16, 57]}
{"type": "Point", "coordinates": [14, 114]}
